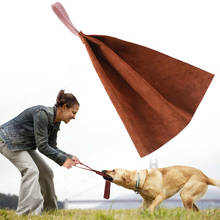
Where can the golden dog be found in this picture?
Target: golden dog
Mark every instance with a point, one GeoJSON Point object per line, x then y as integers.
{"type": "Point", "coordinates": [159, 184]}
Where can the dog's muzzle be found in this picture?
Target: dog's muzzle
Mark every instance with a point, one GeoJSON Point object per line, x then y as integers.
{"type": "Point", "coordinates": [106, 176]}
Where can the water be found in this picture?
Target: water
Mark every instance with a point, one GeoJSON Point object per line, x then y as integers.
{"type": "Point", "coordinates": [131, 204]}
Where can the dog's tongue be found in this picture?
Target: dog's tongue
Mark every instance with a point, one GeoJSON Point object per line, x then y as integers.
{"type": "Point", "coordinates": [107, 189]}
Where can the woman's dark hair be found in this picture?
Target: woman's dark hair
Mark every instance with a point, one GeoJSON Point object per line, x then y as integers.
{"type": "Point", "coordinates": [66, 98]}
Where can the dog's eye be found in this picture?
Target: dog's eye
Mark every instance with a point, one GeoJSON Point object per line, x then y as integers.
{"type": "Point", "coordinates": [113, 170]}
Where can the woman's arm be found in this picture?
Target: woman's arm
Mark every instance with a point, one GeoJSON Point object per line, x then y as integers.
{"type": "Point", "coordinates": [41, 138]}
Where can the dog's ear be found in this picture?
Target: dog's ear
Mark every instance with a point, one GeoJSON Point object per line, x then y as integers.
{"type": "Point", "coordinates": [127, 177]}
{"type": "Point", "coordinates": [124, 178]}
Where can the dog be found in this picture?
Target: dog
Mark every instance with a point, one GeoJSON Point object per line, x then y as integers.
{"type": "Point", "coordinates": [159, 184]}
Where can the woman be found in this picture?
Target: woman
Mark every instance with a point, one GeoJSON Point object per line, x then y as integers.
{"type": "Point", "coordinates": [36, 128]}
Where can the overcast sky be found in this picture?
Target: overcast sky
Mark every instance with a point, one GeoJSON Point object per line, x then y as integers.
{"type": "Point", "coordinates": [39, 56]}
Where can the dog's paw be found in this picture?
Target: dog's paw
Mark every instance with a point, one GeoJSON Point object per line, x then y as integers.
{"type": "Point", "coordinates": [142, 210]}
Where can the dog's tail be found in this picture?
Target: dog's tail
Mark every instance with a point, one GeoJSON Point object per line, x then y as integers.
{"type": "Point", "coordinates": [214, 182]}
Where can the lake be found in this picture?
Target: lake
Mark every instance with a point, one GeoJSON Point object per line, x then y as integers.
{"type": "Point", "coordinates": [130, 204]}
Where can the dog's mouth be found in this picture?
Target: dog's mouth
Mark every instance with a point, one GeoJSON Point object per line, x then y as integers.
{"type": "Point", "coordinates": [106, 176]}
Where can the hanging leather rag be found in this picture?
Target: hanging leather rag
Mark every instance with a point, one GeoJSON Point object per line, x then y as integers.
{"type": "Point", "coordinates": [154, 94]}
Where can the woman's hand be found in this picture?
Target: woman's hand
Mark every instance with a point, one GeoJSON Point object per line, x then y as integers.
{"type": "Point", "coordinates": [75, 159]}
{"type": "Point", "coordinates": [69, 163]}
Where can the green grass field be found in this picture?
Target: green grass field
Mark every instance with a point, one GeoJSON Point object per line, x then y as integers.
{"type": "Point", "coordinates": [130, 214]}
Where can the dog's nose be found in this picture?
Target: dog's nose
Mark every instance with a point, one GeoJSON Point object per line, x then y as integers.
{"type": "Point", "coordinates": [104, 171]}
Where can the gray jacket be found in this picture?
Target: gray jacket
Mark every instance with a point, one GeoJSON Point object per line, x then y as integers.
{"type": "Point", "coordinates": [34, 128]}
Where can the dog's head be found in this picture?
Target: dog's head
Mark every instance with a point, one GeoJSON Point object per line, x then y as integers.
{"type": "Point", "coordinates": [121, 177]}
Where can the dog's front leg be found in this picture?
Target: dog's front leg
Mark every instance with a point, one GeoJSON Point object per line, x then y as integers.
{"type": "Point", "coordinates": [156, 202]}
{"type": "Point", "coordinates": [145, 204]}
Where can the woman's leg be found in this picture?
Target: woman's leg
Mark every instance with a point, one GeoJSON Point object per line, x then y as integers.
{"type": "Point", "coordinates": [30, 197]}
{"type": "Point", "coordinates": [46, 181]}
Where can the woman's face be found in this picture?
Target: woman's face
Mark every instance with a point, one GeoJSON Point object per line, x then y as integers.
{"type": "Point", "coordinates": [68, 114]}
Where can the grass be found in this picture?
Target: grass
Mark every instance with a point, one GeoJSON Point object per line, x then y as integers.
{"type": "Point", "coordinates": [128, 214]}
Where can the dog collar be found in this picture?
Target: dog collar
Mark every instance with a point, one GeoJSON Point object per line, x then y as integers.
{"type": "Point", "coordinates": [140, 179]}
{"type": "Point", "coordinates": [137, 184]}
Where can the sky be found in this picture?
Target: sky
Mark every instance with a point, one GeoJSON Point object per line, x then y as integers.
{"type": "Point", "coordinates": [39, 56]}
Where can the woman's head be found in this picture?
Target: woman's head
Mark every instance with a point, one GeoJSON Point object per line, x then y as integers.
{"type": "Point", "coordinates": [67, 106]}
{"type": "Point", "coordinates": [67, 99]}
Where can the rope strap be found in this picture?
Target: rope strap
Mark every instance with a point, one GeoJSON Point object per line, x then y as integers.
{"type": "Point", "coordinates": [61, 13]}
{"type": "Point", "coordinates": [107, 183]}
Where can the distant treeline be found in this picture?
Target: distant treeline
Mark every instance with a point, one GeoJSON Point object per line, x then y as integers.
{"type": "Point", "coordinates": [8, 201]}
{"type": "Point", "coordinates": [11, 201]}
